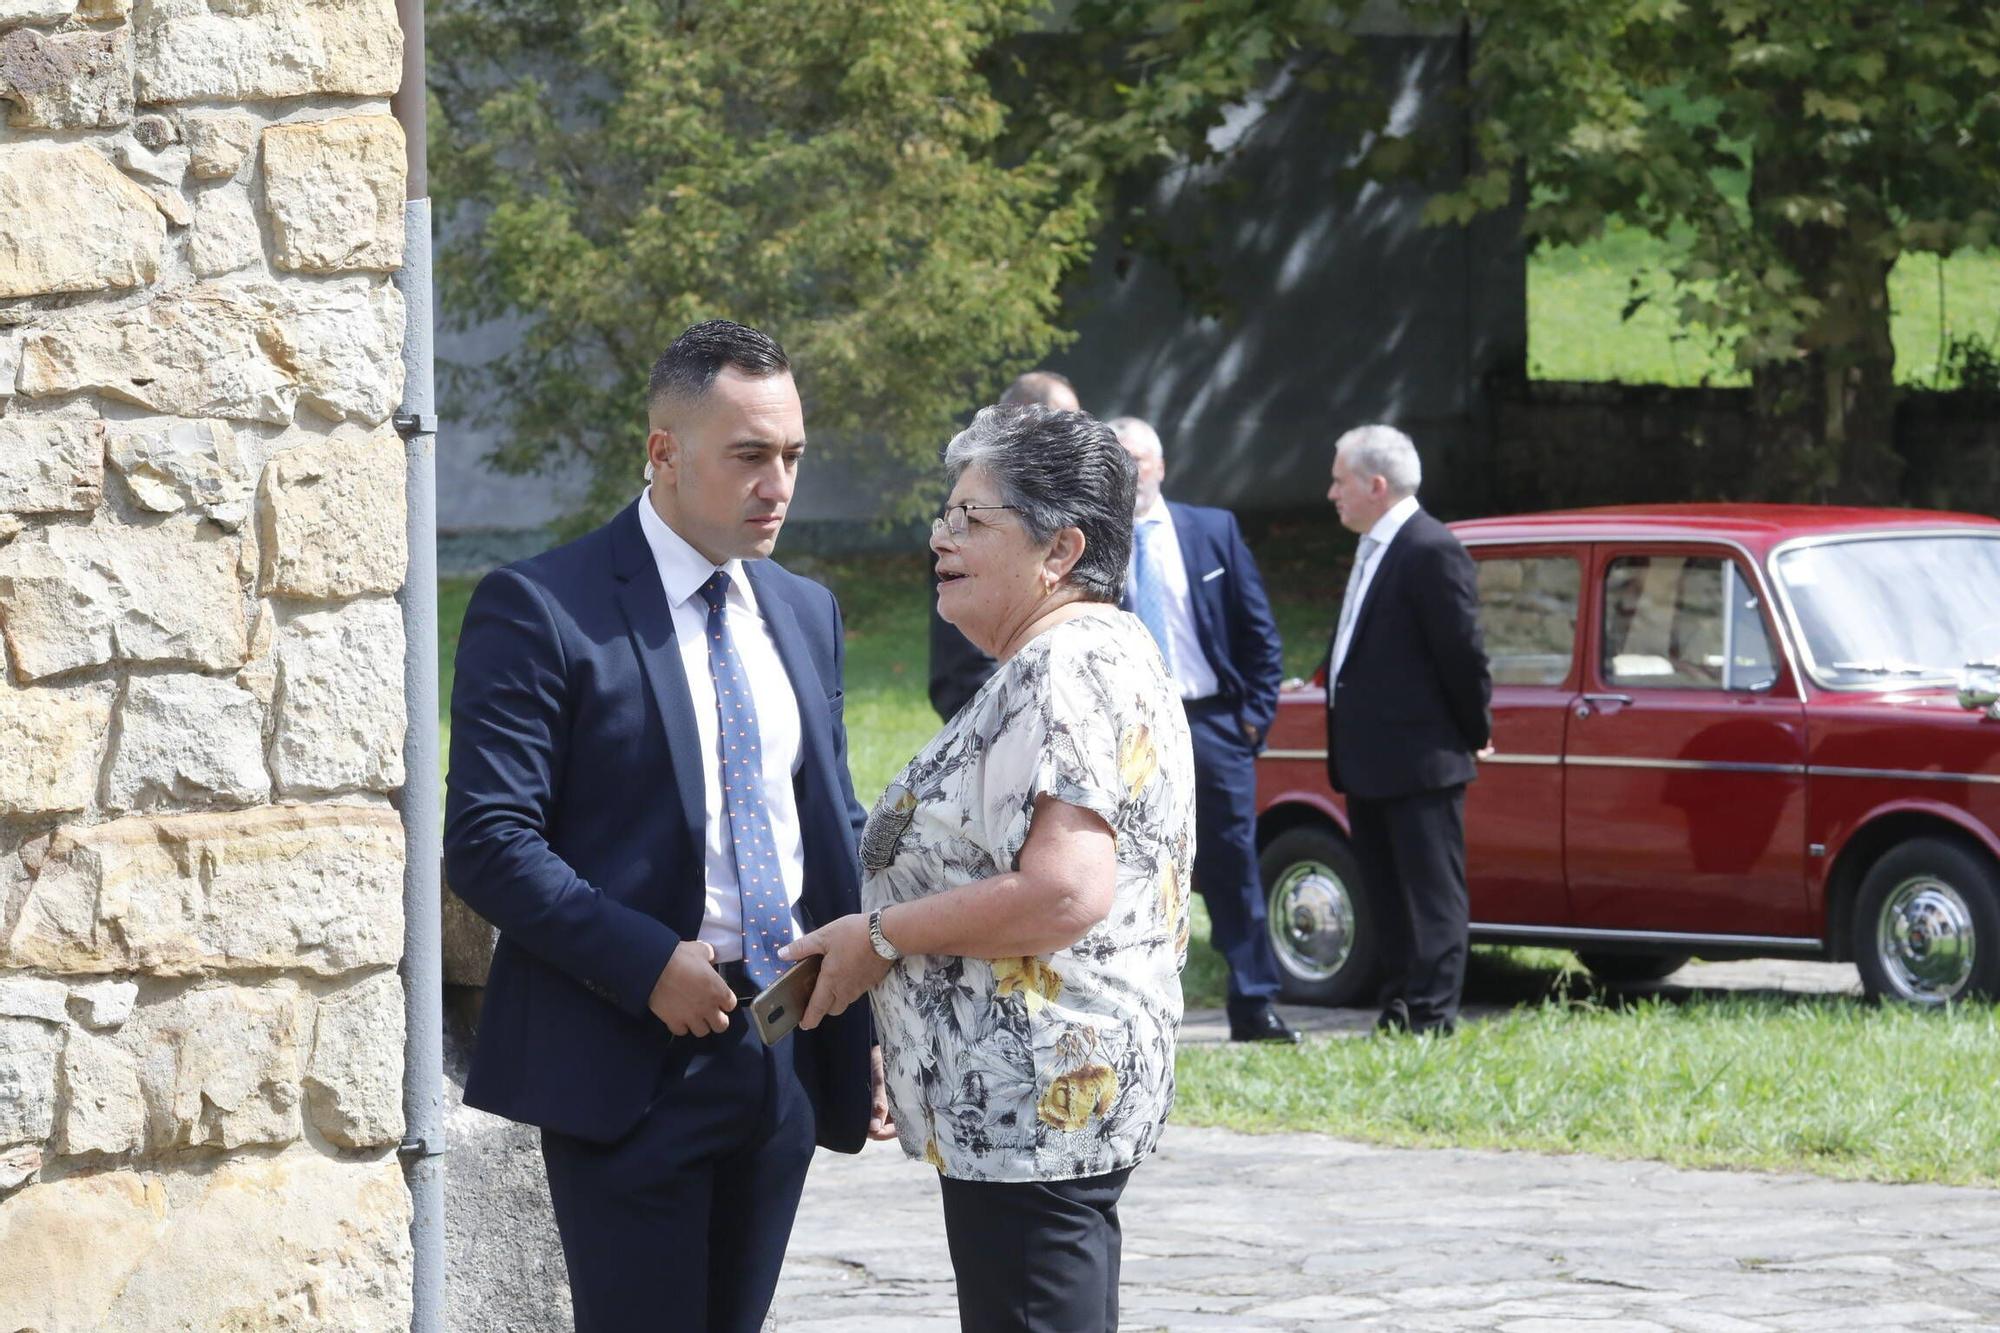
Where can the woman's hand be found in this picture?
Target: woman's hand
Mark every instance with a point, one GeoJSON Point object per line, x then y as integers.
{"type": "Point", "coordinates": [881, 1124]}
{"type": "Point", "coordinates": [850, 969]}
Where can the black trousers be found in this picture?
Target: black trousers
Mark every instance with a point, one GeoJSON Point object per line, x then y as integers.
{"type": "Point", "coordinates": [1411, 853]}
{"type": "Point", "coordinates": [1225, 853]}
{"type": "Point", "coordinates": [1035, 1256]}
{"type": "Point", "coordinates": [682, 1224]}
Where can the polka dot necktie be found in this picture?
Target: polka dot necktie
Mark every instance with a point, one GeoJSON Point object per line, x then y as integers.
{"type": "Point", "coordinates": [767, 916]}
{"type": "Point", "coordinates": [1151, 601]}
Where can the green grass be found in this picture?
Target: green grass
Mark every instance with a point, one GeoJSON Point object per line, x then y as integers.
{"type": "Point", "coordinates": [1831, 1086]}
{"type": "Point", "coordinates": [1576, 293]}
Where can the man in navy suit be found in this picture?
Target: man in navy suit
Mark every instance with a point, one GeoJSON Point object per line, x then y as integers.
{"type": "Point", "coordinates": [1408, 710]}
{"type": "Point", "coordinates": [1193, 583]}
{"type": "Point", "coordinates": [648, 796]}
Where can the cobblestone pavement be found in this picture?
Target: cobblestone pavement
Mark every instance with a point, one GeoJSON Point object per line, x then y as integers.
{"type": "Point", "coordinates": [1306, 1232]}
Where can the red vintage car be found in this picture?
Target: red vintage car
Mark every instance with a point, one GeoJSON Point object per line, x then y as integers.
{"type": "Point", "coordinates": [1720, 730]}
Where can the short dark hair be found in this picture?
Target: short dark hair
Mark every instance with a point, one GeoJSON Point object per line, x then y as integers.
{"type": "Point", "coordinates": [1061, 470]}
{"type": "Point", "coordinates": [1031, 389]}
{"type": "Point", "coordinates": [690, 364]}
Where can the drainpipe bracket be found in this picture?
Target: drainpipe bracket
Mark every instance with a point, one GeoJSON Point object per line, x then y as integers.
{"type": "Point", "coordinates": [418, 1146]}
{"type": "Point", "coordinates": [409, 425]}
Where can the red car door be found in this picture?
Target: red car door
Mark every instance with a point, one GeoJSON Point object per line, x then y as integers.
{"type": "Point", "coordinates": [1529, 603]}
{"type": "Point", "coordinates": [1684, 805]}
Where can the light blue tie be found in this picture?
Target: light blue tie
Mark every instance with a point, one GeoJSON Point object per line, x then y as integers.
{"type": "Point", "coordinates": [767, 915]}
{"type": "Point", "coordinates": [1151, 590]}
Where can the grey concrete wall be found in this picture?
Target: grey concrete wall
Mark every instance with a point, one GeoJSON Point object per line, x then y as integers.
{"type": "Point", "coordinates": [1346, 310]}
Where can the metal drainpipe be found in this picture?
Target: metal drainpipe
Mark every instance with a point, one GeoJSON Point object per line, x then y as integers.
{"type": "Point", "coordinates": [422, 1149]}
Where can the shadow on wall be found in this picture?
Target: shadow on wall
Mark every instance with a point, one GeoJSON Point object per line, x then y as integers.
{"type": "Point", "coordinates": [1345, 308]}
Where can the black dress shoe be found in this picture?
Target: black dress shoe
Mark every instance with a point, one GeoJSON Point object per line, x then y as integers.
{"type": "Point", "coordinates": [1395, 1017]}
{"type": "Point", "coordinates": [1262, 1024]}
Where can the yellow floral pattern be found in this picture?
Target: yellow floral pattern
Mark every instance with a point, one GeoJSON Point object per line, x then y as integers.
{"type": "Point", "coordinates": [1061, 1065]}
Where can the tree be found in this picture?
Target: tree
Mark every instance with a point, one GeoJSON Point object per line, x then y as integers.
{"type": "Point", "coordinates": [1866, 128]}
{"type": "Point", "coordinates": [612, 172]}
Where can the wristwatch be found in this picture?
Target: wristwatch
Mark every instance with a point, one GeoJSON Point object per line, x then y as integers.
{"type": "Point", "coordinates": [883, 949]}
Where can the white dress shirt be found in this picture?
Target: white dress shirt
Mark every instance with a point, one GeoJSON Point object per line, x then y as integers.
{"type": "Point", "coordinates": [1384, 532]}
{"type": "Point", "coordinates": [1193, 676]}
{"type": "Point", "coordinates": [682, 572]}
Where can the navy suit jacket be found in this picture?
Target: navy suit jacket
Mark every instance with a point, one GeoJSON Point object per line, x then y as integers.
{"type": "Point", "coordinates": [1232, 616]}
{"type": "Point", "coordinates": [575, 822]}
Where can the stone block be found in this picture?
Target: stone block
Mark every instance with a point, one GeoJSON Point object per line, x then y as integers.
{"type": "Point", "coordinates": [304, 888]}
{"type": "Point", "coordinates": [331, 518]}
{"type": "Point", "coordinates": [38, 998]}
{"type": "Point", "coordinates": [205, 351]}
{"type": "Point", "coordinates": [256, 50]}
{"type": "Point", "coordinates": [29, 1051]}
{"type": "Point", "coordinates": [219, 141]}
{"type": "Point", "coordinates": [340, 685]}
{"type": "Point", "coordinates": [66, 80]}
{"type": "Point", "coordinates": [174, 465]}
{"type": "Point", "coordinates": [220, 1065]}
{"type": "Point", "coordinates": [160, 173]}
{"type": "Point", "coordinates": [297, 1242]}
{"type": "Point", "coordinates": [354, 1083]}
{"type": "Point", "coordinates": [225, 236]}
{"type": "Point", "coordinates": [100, 1106]}
{"type": "Point", "coordinates": [466, 941]}
{"type": "Point", "coordinates": [185, 741]}
{"type": "Point", "coordinates": [72, 222]}
{"type": "Point", "coordinates": [54, 744]}
{"type": "Point", "coordinates": [155, 132]}
{"type": "Point", "coordinates": [51, 465]}
{"type": "Point", "coordinates": [77, 597]}
{"type": "Point", "coordinates": [10, 362]}
{"type": "Point", "coordinates": [16, 12]}
{"type": "Point", "coordinates": [345, 343]}
{"type": "Point", "coordinates": [334, 192]}
{"type": "Point", "coordinates": [104, 1005]}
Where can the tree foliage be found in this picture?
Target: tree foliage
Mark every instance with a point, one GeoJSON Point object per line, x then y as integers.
{"type": "Point", "coordinates": [826, 170]}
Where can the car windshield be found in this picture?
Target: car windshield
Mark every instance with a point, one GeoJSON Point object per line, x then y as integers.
{"type": "Point", "coordinates": [1890, 610]}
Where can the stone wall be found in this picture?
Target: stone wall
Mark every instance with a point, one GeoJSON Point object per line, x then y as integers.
{"type": "Point", "coordinates": [201, 711]}
{"type": "Point", "coordinates": [1562, 445]}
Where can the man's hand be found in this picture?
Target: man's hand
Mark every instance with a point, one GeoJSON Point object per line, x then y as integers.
{"type": "Point", "coordinates": [850, 970]}
{"type": "Point", "coordinates": [1486, 753]}
{"type": "Point", "coordinates": [691, 997]}
{"type": "Point", "coordinates": [881, 1124]}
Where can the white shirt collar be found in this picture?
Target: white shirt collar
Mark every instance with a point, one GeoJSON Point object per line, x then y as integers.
{"type": "Point", "coordinates": [682, 568]}
{"type": "Point", "coordinates": [1157, 514]}
{"type": "Point", "coordinates": [1391, 523]}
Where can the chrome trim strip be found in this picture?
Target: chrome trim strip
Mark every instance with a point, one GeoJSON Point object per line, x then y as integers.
{"type": "Point", "coordinates": [1903, 775]}
{"type": "Point", "coordinates": [1293, 754]}
{"type": "Point", "coordinates": [1683, 765]}
{"type": "Point", "coordinates": [1585, 933]}
{"type": "Point", "coordinates": [1766, 581]}
{"type": "Point", "coordinates": [1970, 530]}
{"type": "Point", "coordinates": [1539, 760]}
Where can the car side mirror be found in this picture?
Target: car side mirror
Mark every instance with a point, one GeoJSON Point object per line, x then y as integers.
{"type": "Point", "coordinates": [1979, 692]}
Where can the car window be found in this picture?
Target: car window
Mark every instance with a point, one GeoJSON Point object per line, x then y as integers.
{"type": "Point", "coordinates": [1683, 622]}
{"type": "Point", "coordinates": [1527, 612]}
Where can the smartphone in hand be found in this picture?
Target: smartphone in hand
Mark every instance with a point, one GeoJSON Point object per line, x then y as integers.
{"type": "Point", "coordinates": [778, 1009]}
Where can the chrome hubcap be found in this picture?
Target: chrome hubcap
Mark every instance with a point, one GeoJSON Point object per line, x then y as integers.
{"type": "Point", "coordinates": [1926, 940]}
{"type": "Point", "coordinates": [1312, 920]}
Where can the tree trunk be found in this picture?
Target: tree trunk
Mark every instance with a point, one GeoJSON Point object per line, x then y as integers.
{"type": "Point", "coordinates": [1828, 415]}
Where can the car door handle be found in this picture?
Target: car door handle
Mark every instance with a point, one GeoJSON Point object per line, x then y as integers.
{"type": "Point", "coordinates": [1583, 705]}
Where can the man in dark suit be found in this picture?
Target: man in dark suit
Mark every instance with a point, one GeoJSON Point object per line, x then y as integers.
{"type": "Point", "coordinates": [1408, 711]}
{"type": "Point", "coordinates": [1194, 585]}
{"type": "Point", "coordinates": [957, 668]}
{"type": "Point", "coordinates": [648, 795]}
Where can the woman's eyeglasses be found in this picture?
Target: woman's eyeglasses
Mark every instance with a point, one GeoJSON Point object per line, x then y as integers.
{"type": "Point", "coordinates": [953, 522]}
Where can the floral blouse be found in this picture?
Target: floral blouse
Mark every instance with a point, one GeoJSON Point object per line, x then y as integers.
{"type": "Point", "coordinates": [1059, 1066]}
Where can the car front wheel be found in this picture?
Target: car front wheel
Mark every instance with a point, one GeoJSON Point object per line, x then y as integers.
{"type": "Point", "coordinates": [1320, 919]}
{"type": "Point", "coordinates": [1927, 924]}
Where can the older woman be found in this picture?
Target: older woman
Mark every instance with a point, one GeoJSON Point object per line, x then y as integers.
{"type": "Point", "coordinates": [1027, 884]}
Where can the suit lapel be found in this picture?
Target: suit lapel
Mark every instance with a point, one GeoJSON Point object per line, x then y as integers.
{"type": "Point", "coordinates": [1192, 545]}
{"type": "Point", "coordinates": [1385, 570]}
{"type": "Point", "coordinates": [651, 622]}
{"type": "Point", "coordinates": [815, 728]}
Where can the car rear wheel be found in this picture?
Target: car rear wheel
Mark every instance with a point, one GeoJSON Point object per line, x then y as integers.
{"type": "Point", "coordinates": [1321, 922]}
{"type": "Point", "coordinates": [1927, 924]}
{"type": "Point", "coordinates": [1629, 967]}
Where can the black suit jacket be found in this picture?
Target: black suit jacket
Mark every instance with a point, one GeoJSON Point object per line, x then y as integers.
{"type": "Point", "coordinates": [1413, 699]}
{"type": "Point", "coordinates": [575, 822]}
